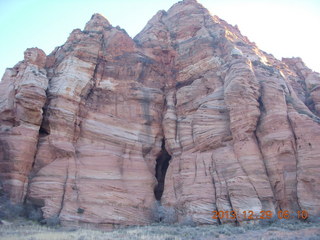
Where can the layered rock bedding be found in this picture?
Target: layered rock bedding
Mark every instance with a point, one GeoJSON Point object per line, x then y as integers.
{"type": "Point", "coordinates": [189, 114]}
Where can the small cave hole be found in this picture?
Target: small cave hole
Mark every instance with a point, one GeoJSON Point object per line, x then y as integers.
{"type": "Point", "coordinates": [44, 129]}
{"type": "Point", "coordinates": [43, 132]}
{"type": "Point", "coordinates": [162, 163]}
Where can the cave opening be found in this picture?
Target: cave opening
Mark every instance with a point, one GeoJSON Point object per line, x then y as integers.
{"type": "Point", "coordinates": [162, 163]}
{"type": "Point", "coordinates": [43, 131]}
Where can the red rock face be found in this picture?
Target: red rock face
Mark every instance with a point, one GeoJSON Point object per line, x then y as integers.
{"type": "Point", "coordinates": [190, 113]}
{"type": "Point", "coordinates": [22, 99]}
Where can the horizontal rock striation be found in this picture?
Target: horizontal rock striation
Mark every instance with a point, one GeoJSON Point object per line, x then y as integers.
{"type": "Point", "coordinates": [189, 113]}
{"type": "Point", "coordinates": [23, 95]}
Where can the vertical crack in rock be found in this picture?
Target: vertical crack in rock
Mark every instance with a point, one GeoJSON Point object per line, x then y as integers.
{"type": "Point", "coordinates": [64, 190]}
{"type": "Point", "coordinates": [259, 120]}
{"type": "Point", "coordinates": [295, 146]}
{"type": "Point", "coordinates": [162, 163]}
{"type": "Point", "coordinates": [214, 176]}
{"type": "Point", "coordinates": [82, 112]}
{"type": "Point", "coordinates": [265, 165]}
{"type": "Point", "coordinates": [43, 132]}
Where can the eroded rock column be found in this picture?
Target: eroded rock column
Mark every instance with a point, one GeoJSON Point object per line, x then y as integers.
{"type": "Point", "coordinates": [22, 97]}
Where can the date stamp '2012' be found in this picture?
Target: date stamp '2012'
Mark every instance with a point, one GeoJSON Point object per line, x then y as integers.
{"type": "Point", "coordinates": [285, 214]}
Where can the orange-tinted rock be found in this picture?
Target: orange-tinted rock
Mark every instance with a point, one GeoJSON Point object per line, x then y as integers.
{"type": "Point", "coordinates": [238, 128]}
{"type": "Point", "coordinates": [22, 97]}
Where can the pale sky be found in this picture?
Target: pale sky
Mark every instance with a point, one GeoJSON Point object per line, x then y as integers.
{"type": "Point", "coordinates": [284, 28]}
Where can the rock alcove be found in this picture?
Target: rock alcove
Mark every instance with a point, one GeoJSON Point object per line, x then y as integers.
{"type": "Point", "coordinates": [162, 163]}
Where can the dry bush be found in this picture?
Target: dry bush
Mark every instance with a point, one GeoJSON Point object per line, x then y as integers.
{"type": "Point", "coordinates": [163, 214]}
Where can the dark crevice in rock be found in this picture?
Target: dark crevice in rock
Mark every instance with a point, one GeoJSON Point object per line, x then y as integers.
{"type": "Point", "coordinates": [186, 82]}
{"type": "Point", "coordinates": [44, 131]}
{"type": "Point", "coordinates": [86, 96]}
{"type": "Point", "coordinates": [262, 114]}
{"type": "Point", "coordinates": [64, 191]}
{"type": "Point", "coordinates": [162, 163]}
{"type": "Point", "coordinates": [261, 105]}
{"type": "Point", "coordinates": [294, 143]}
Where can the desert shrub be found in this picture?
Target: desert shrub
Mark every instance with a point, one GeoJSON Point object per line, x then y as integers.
{"type": "Point", "coordinates": [80, 210]}
{"type": "Point", "coordinates": [268, 222]}
{"type": "Point", "coordinates": [313, 219]}
{"type": "Point", "coordinates": [273, 229]}
{"type": "Point", "coordinates": [155, 215]}
{"type": "Point", "coordinates": [224, 231]}
{"type": "Point", "coordinates": [240, 230]}
{"type": "Point", "coordinates": [163, 214]}
{"type": "Point", "coordinates": [9, 210]}
{"type": "Point", "coordinates": [316, 237]}
{"type": "Point", "coordinates": [169, 215]}
{"type": "Point", "coordinates": [188, 221]}
{"type": "Point", "coordinates": [51, 221]}
{"type": "Point", "coordinates": [33, 213]}
{"type": "Point", "coordinates": [83, 237]}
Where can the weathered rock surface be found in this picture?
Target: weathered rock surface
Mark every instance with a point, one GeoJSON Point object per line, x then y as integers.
{"type": "Point", "coordinates": [22, 99]}
{"type": "Point", "coordinates": [190, 108]}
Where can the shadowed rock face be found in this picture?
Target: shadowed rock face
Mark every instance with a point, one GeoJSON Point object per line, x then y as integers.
{"type": "Point", "coordinates": [161, 170]}
{"type": "Point", "coordinates": [83, 128]}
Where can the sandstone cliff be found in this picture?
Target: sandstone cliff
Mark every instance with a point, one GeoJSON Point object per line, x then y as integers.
{"type": "Point", "coordinates": [189, 112]}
